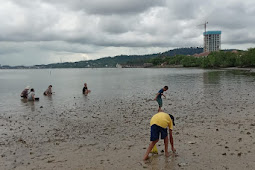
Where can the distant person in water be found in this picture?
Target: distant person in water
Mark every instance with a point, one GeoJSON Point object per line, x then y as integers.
{"type": "Point", "coordinates": [24, 93]}
{"type": "Point", "coordinates": [85, 89]}
{"type": "Point", "coordinates": [159, 99]}
{"type": "Point", "coordinates": [159, 123]}
{"type": "Point", "coordinates": [48, 91]}
{"type": "Point", "coordinates": [31, 95]}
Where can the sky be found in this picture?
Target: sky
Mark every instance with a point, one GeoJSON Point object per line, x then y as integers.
{"type": "Point", "coordinates": [50, 31]}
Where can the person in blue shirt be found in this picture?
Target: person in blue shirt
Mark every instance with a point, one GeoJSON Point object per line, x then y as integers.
{"type": "Point", "coordinates": [159, 99]}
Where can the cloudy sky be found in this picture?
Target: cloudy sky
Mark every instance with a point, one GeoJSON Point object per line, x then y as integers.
{"type": "Point", "coordinates": [49, 31]}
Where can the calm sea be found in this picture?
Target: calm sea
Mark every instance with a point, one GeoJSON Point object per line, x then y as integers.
{"type": "Point", "coordinates": [125, 84]}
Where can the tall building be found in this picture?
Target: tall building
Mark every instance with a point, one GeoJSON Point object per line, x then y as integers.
{"type": "Point", "coordinates": [212, 41]}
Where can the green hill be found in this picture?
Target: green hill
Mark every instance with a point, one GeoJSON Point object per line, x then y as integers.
{"type": "Point", "coordinates": [133, 60]}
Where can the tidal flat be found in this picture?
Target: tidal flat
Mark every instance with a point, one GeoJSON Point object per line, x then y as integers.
{"type": "Point", "coordinates": [215, 125]}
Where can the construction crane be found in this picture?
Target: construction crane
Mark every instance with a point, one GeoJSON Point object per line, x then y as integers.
{"type": "Point", "coordinates": [204, 34]}
{"type": "Point", "coordinates": [204, 25]}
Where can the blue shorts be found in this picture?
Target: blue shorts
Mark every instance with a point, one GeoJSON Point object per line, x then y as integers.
{"type": "Point", "coordinates": [160, 103]}
{"type": "Point", "coordinates": [156, 130]}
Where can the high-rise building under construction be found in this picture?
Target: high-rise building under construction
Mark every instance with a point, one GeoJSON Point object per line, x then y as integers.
{"type": "Point", "coordinates": [212, 41]}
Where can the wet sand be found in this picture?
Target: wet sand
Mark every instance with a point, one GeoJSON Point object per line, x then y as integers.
{"type": "Point", "coordinates": [210, 133]}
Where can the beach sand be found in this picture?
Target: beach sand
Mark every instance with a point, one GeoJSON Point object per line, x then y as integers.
{"type": "Point", "coordinates": [210, 133]}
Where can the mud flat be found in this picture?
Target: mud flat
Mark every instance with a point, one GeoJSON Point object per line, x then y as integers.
{"type": "Point", "coordinates": [209, 134]}
{"type": "Point", "coordinates": [215, 129]}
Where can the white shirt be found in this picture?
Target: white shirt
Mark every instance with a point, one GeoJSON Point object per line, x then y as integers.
{"type": "Point", "coordinates": [30, 96]}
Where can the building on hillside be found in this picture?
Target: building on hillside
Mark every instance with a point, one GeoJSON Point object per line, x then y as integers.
{"type": "Point", "coordinates": [118, 65]}
{"type": "Point", "coordinates": [147, 65]}
{"type": "Point", "coordinates": [212, 41]}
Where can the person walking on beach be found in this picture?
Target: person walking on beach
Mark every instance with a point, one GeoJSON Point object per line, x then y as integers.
{"type": "Point", "coordinates": [159, 123]}
{"type": "Point", "coordinates": [48, 91]}
{"type": "Point", "coordinates": [159, 99]}
{"type": "Point", "coordinates": [31, 95]}
{"type": "Point", "coordinates": [24, 93]}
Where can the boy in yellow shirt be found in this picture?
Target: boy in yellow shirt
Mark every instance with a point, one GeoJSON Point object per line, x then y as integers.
{"type": "Point", "coordinates": [159, 123]}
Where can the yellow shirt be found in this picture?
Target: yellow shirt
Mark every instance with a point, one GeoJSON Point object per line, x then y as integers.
{"type": "Point", "coordinates": [162, 119]}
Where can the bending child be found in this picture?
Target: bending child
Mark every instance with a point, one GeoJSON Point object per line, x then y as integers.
{"type": "Point", "coordinates": [159, 123]}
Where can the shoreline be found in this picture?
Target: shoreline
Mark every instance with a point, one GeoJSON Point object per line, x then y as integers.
{"type": "Point", "coordinates": [214, 114]}
{"type": "Point", "coordinates": [251, 69]}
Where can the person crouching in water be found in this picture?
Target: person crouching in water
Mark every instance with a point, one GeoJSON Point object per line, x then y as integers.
{"type": "Point", "coordinates": [48, 91]}
{"type": "Point", "coordinates": [159, 123]}
{"type": "Point", "coordinates": [31, 95]}
{"type": "Point", "coordinates": [85, 89]}
{"type": "Point", "coordinates": [24, 93]}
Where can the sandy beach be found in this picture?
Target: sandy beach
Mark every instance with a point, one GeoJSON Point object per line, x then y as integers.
{"type": "Point", "coordinates": [215, 126]}
{"type": "Point", "coordinates": [209, 134]}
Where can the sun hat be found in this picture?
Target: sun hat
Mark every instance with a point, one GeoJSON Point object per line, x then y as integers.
{"type": "Point", "coordinates": [28, 87]}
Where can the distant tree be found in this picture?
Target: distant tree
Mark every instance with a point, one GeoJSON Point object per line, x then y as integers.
{"type": "Point", "coordinates": [189, 61]}
{"type": "Point", "coordinates": [156, 61]}
{"type": "Point", "coordinates": [248, 58]}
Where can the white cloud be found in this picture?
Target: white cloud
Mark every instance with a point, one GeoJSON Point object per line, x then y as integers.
{"type": "Point", "coordinates": [43, 31]}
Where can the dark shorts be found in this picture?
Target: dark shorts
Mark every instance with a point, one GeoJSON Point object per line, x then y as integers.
{"type": "Point", "coordinates": [160, 103]}
{"type": "Point", "coordinates": [156, 130]}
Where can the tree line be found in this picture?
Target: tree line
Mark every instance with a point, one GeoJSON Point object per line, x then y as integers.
{"type": "Point", "coordinates": [218, 59]}
{"type": "Point", "coordinates": [131, 60]}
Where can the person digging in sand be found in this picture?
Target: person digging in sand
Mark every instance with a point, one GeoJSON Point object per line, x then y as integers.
{"type": "Point", "coordinates": [31, 95]}
{"type": "Point", "coordinates": [159, 123]}
{"type": "Point", "coordinates": [24, 93]}
{"type": "Point", "coordinates": [48, 91]}
{"type": "Point", "coordinates": [85, 89]}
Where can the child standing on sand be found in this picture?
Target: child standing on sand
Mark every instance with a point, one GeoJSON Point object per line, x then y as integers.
{"type": "Point", "coordinates": [158, 97]}
{"type": "Point", "coordinates": [159, 123]}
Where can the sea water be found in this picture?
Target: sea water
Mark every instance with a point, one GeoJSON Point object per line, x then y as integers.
{"type": "Point", "coordinates": [114, 83]}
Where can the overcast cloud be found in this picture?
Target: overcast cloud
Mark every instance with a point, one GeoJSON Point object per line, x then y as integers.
{"type": "Point", "coordinates": [48, 31]}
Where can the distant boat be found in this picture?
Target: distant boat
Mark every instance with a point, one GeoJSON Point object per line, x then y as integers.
{"type": "Point", "coordinates": [118, 65]}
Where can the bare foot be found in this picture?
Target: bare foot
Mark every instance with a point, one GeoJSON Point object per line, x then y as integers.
{"type": "Point", "coordinates": [145, 158]}
{"type": "Point", "coordinates": [166, 154]}
{"type": "Point", "coordinates": [174, 150]}
{"type": "Point", "coordinates": [175, 154]}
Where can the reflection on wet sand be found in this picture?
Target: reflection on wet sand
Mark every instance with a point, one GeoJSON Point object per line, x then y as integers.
{"type": "Point", "coordinates": [28, 104]}
{"type": "Point", "coordinates": [214, 127]}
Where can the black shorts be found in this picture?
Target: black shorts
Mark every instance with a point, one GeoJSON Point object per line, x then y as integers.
{"type": "Point", "coordinates": [156, 130]}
